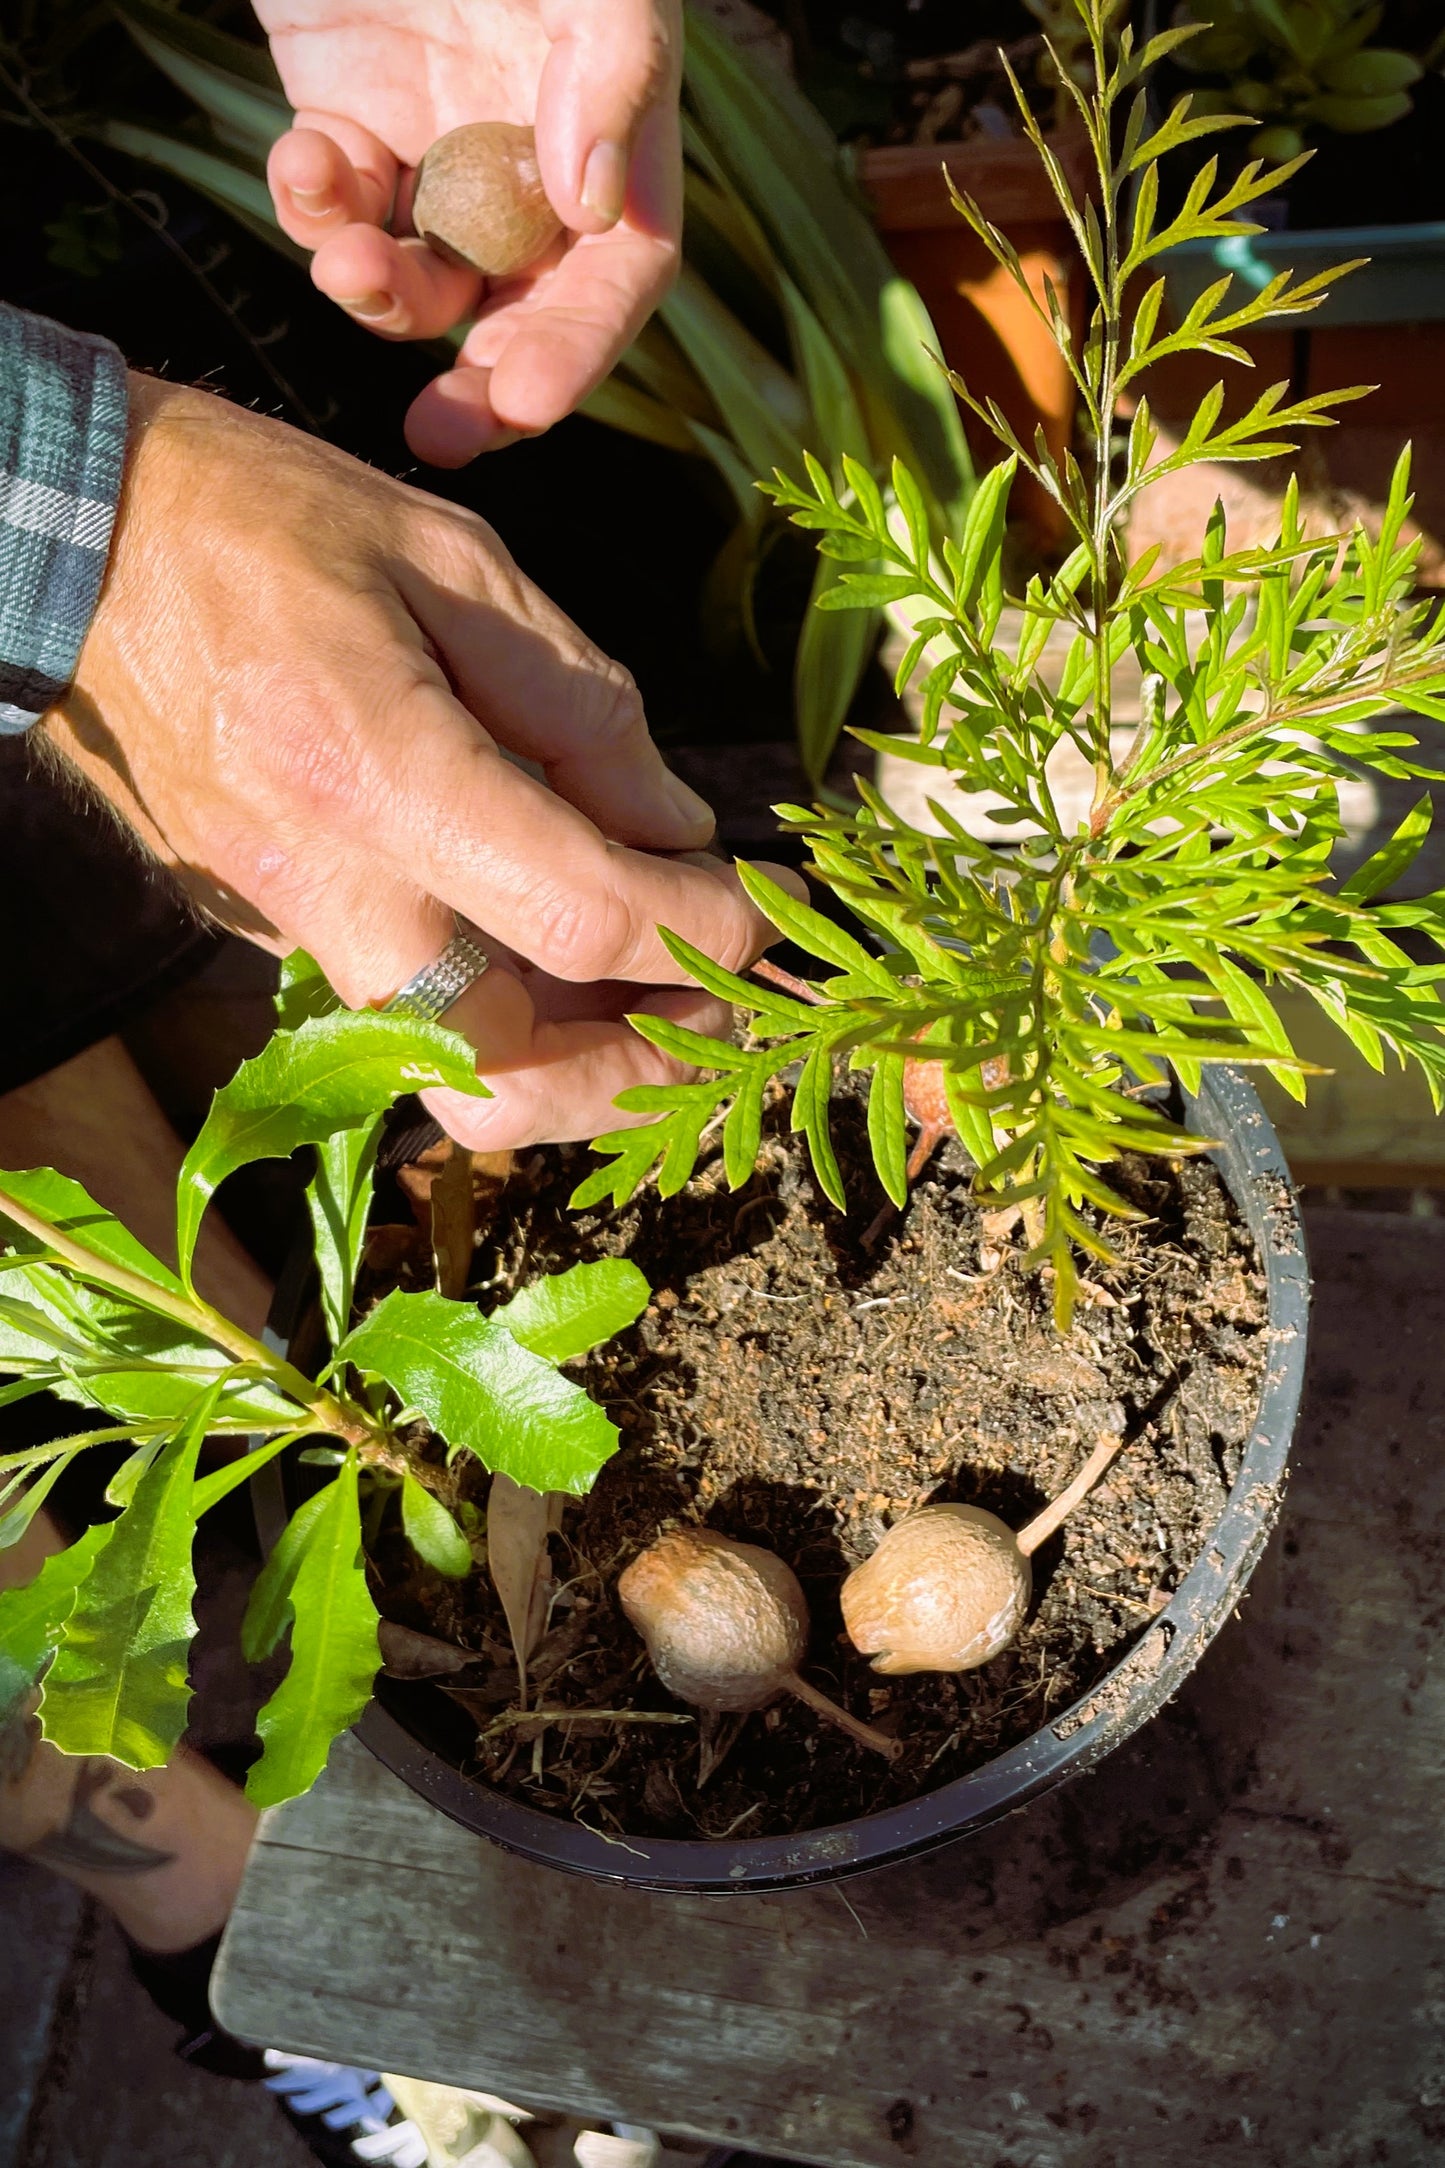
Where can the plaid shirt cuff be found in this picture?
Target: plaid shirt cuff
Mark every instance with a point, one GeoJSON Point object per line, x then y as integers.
{"type": "Point", "coordinates": [63, 412]}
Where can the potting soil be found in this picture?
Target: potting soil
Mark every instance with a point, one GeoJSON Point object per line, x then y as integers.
{"type": "Point", "coordinates": [794, 1390]}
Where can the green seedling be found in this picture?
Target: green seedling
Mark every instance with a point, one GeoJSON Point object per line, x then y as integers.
{"type": "Point", "coordinates": [87, 1313]}
{"type": "Point", "coordinates": [1055, 984]}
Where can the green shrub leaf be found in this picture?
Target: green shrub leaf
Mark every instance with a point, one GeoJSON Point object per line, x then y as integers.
{"type": "Point", "coordinates": [334, 1652]}
{"type": "Point", "coordinates": [268, 1610]}
{"type": "Point", "coordinates": [118, 1683]}
{"type": "Point", "coordinates": [338, 1200]}
{"type": "Point", "coordinates": [567, 1313]}
{"type": "Point", "coordinates": [480, 1389]}
{"type": "Point", "coordinates": [431, 1531]}
{"type": "Point", "coordinates": [331, 1073]}
{"type": "Point", "coordinates": [32, 1618]}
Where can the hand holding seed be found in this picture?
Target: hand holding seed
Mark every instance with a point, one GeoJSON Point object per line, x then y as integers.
{"type": "Point", "coordinates": [374, 87]}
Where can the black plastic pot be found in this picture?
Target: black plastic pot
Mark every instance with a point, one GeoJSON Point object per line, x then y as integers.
{"type": "Point", "coordinates": [422, 1736]}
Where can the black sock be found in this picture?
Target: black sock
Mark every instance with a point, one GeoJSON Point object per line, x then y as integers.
{"type": "Point", "coordinates": [178, 1983]}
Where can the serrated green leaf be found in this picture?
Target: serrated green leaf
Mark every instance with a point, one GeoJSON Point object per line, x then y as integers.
{"type": "Point", "coordinates": [334, 1652]}
{"type": "Point", "coordinates": [568, 1313]}
{"type": "Point", "coordinates": [32, 1618]}
{"type": "Point", "coordinates": [480, 1389]}
{"type": "Point", "coordinates": [431, 1531]}
{"type": "Point", "coordinates": [338, 1203]}
{"type": "Point", "coordinates": [888, 1126]}
{"type": "Point", "coordinates": [634, 1153]}
{"type": "Point", "coordinates": [331, 1073]}
{"type": "Point", "coordinates": [268, 1608]}
{"type": "Point", "coordinates": [118, 1683]}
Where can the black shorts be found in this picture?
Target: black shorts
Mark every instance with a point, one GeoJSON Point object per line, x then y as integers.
{"type": "Point", "coordinates": [88, 929]}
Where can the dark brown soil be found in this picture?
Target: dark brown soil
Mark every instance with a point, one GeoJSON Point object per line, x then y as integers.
{"type": "Point", "coordinates": [789, 1389]}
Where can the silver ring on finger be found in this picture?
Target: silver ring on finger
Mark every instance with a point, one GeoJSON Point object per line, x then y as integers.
{"type": "Point", "coordinates": [433, 990]}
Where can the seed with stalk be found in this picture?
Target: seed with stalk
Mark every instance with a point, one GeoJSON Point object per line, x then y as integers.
{"type": "Point", "coordinates": [726, 1625]}
{"type": "Point", "coordinates": [949, 1587]}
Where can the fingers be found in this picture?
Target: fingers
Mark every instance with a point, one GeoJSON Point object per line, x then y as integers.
{"type": "Point", "coordinates": [399, 288]}
{"type": "Point", "coordinates": [532, 359]}
{"type": "Point", "coordinates": [573, 1075]}
{"type": "Point", "coordinates": [326, 173]}
{"type": "Point", "coordinates": [538, 349]}
{"type": "Point", "coordinates": [452, 420]}
{"type": "Point", "coordinates": [553, 697]}
{"type": "Point", "coordinates": [611, 62]}
{"type": "Point", "coordinates": [552, 1079]}
{"type": "Point", "coordinates": [503, 851]}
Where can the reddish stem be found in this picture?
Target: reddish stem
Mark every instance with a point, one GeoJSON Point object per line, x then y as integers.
{"type": "Point", "coordinates": [865, 1734]}
{"type": "Point", "coordinates": [785, 982]}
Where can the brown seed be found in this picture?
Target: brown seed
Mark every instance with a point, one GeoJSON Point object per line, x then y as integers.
{"type": "Point", "coordinates": [480, 201]}
{"type": "Point", "coordinates": [726, 1625]}
{"type": "Point", "coordinates": [724, 1622]}
{"type": "Point", "coordinates": [949, 1587]}
{"type": "Point", "coordinates": [945, 1590]}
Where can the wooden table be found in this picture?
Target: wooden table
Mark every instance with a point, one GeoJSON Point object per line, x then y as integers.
{"type": "Point", "coordinates": [1226, 1944]}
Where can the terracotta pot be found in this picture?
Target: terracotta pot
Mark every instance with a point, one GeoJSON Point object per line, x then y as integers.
{"type": "Point", "coordinates": [990, 334]}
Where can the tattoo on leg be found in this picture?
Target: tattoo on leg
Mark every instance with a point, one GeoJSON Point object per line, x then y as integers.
{"type": "Point", "coordinates": [86, 1844]}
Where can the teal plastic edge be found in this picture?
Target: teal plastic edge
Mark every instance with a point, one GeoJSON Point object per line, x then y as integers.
{"type": "Point", "coordinates": [1403, 283]}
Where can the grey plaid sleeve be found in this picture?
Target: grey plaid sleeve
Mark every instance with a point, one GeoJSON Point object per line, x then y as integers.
{"type": "Point", "coordinates": [63, 413]}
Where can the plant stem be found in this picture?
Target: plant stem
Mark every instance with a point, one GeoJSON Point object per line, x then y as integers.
{"type": "Point", "coordinates": [327, 1412]}
{"type": "Point", "coordinates": [785, 982]}
{"type": "Point", "coordinates": [865, 1734]}
{"type": "Point", "coordinates": [1042, 1526]}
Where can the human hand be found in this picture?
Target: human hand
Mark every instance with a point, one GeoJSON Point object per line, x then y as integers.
{"type": "Point", "coordinates": [297, 688]}
{"type": "Point", "coordinates": [374, 83]}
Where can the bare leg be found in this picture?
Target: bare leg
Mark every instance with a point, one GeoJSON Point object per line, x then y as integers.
{"type": "Point", "coordinates": [95, 1119]}
{"type": "Point", "coordinates": [163, 1850]}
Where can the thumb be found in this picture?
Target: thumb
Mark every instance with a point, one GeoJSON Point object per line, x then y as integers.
{"type": "Point", "coordinates": [610, 63]}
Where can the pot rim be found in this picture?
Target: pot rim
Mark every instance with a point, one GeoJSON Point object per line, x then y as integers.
{"type": "Point", "coordinates": [1152, 1668]}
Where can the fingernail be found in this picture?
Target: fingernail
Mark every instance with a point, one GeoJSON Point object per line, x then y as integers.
{"type": "Point", "coordinates": [604, 180]}
{"type": "Point", "coordinates": [370, 307]}
{"type": "Point", "coordinates": [686, 804]}
{"type": "Point", "coordinates": [313, 201]}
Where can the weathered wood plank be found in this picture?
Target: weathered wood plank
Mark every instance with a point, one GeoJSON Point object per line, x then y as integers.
{"type": "Point", "coordinates": [1230, 1937]}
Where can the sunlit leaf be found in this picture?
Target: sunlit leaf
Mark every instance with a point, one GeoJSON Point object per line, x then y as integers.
{"type": "Point", "coordinates": [480, 1389]}
{"type": "Point", "coordinates": [334, 1652]}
